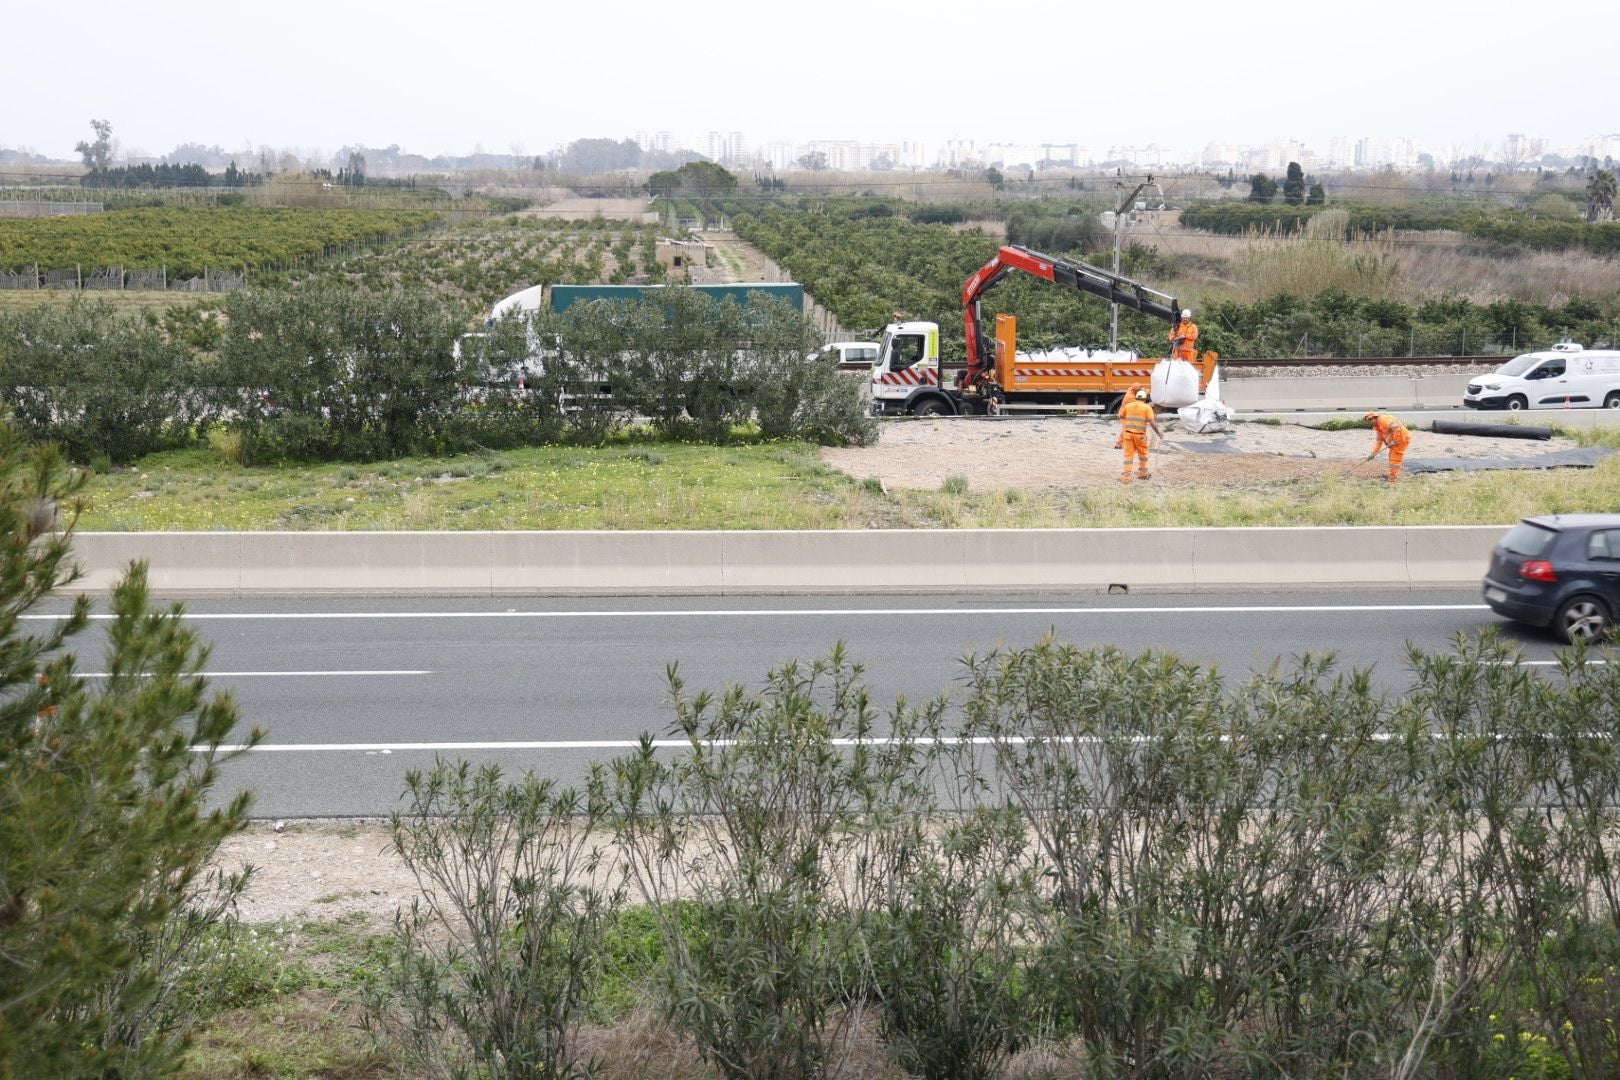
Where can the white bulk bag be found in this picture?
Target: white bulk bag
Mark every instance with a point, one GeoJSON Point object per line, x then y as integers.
{"type": "Point", "coordinates": [1174, 384]}
{"type": "Point", "coordinates": [1205, 417]}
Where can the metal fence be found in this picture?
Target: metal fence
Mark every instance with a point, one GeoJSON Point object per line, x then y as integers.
{"type": "Point", "coordinates": [119, 279]}
{"type": "Point", "coordinates": [37, 208]}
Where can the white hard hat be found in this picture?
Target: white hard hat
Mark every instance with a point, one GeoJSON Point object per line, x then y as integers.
{"type": "Point", "coordinates": [1141, 395]}
{"type": "Point", "coordinates": [1186, 313]}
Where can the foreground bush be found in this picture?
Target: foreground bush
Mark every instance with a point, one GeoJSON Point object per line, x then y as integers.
{"type": "Point", "coordinates": [1138, 867]}
{"type": "Point", "coordinates": [500, 949]}
{"type": "Point", "coordinates": [106, 831]}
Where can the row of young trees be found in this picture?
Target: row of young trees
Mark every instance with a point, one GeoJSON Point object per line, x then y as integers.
{"type": "Point", "coordinates": [1334, 323]}
{"type": "Point", "coordinates": [337, 373]}
{"type": "Point", "coordinates": [1505, 227]}
{"type": "Point", "coordinates": [1122, 860]}
{"type": "Point", "coordinates": [866, 265]}
{"type": "Point", "coordinates": [188, 240]}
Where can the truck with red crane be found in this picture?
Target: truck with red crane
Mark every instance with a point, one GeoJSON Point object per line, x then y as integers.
{"type": "Point", "coordinates": [908, 377]}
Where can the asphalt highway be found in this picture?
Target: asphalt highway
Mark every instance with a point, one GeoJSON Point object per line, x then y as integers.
{"type": "Point", "coordinates": [352, 693]}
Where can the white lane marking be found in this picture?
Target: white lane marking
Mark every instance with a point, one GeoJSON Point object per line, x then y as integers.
{"type": "Point", "coordinates": [266, 674]}
{"type": "Point", "coordinates": [1249, 609]}
{"type": "Point", "coordinates": [674, 744]}
{"type": "Point", "coordinates": [596, 744]}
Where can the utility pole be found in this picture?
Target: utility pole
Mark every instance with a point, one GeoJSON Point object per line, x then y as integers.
{"type": "Point", "coordinates": [1113, 309]}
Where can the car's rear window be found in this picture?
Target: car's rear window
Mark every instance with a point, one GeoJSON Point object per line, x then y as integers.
{"type": "Point", "coordinates": [1527, 539]}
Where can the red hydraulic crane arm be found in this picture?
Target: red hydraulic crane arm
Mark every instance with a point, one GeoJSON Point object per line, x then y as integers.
{"type": "Point", "coordinates": [1076, 275]}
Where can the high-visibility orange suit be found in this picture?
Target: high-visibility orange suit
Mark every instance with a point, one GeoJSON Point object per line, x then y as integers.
{"type": "Point", "coordinates": [1391, 433]}
{"type": "Point", "coordinates": [1184, 340]}
{"type": "Point", "coordinates": [1135, 417]}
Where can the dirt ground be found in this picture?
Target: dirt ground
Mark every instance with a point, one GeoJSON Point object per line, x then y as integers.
{"type": "Point", "coordinates": [319, 871]}
{"type": "Point", "coordinates": [1076, 452]}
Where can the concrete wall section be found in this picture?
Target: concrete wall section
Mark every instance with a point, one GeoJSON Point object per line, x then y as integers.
{"type": "Point", "coordinates": [1226, 558]}
{"type": "Point", "coordinates": [606, 562]}
{"type": "Point", "coordinates": [1345, 392]}
{"type": "Point", "coordinates": [764, 563]}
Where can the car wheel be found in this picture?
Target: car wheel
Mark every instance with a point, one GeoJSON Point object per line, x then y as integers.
{"type": "Point", "coordinates": [1613, 400]}
{"type": "Point", "coordinates": [1516, 403]}
{"type": "Point", "coordinates": [931, 407]}
{"type": "Point", "coordinates": [1582, 619]}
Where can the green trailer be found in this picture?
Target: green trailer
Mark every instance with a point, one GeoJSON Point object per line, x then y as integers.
{"type": "Point", "coordinates": [561, 297]}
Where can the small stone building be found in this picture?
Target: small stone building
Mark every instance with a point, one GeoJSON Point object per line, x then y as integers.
{"type": "Point", "coordinates": [682, 254]}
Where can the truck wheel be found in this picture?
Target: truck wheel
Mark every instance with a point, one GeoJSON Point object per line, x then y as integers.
{"type": "Point", "coordinates": [1517, 403]}
{"type": "Point", "coordinates": [931, 407]}
{"type": "Point", "coordinates": [1613, 400]}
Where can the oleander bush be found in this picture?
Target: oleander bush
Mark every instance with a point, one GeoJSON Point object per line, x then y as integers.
{"type": "Point", "coordinates": [1137, 868]}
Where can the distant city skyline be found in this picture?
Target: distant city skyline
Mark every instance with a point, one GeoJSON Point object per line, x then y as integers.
{"type": "Point", "coordinates": [520, 79]}
{"type": "Point", "coordinates": [736, 149]}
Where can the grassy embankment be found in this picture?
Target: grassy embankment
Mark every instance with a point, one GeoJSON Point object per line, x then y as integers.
{"type": "Point", "coordinates": [772, 486]}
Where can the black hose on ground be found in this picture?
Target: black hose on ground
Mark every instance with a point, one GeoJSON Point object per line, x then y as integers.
{"type": "Point", "coordinates": [1494, 431]}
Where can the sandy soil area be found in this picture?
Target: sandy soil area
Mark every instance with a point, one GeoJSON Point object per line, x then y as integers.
{"type": "Point", "coordinates": [1069, 452]}
{"type": "Point", "coordinates": [319, 871]}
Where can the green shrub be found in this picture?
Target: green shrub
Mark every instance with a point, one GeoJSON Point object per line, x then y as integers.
{"type": "Point", "coordinates": [106, 828]}
{"type": "Point", "coordinates": [95, 382]}
{"type": "Point", "coordinates": [502, 945]}
{"type": "Point", "coordinates": [768, 979]}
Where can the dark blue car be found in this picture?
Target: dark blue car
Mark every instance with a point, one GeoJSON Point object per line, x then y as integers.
{"type": "Point", "coordinates": [1560, 571]}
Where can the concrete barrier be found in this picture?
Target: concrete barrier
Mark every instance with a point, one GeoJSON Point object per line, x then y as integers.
{"type": "Point", "coordinates": [1345, 392]}
{"type": "Point", "coordinates": [767, 563]}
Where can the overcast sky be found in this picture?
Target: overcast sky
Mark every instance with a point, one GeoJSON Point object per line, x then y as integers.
{"type": "Point", "coordinates": [444, 78]}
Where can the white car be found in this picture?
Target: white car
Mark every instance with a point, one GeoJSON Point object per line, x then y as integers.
{"type": "Point", "coordinates": [1565, 376]}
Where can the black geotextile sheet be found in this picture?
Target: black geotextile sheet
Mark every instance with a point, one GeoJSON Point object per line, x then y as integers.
{"type": "Point", "coordinates": [1580, 458]}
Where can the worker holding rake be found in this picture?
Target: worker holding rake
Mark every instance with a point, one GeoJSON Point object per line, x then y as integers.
{"type": "Point", "coordinates": [1388, 433]}
{"type": "Point", "coordinates": [1135, 418]}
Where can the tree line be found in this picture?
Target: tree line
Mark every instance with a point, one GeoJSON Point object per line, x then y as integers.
{"type": "Point", "coordinates": [329, 372]}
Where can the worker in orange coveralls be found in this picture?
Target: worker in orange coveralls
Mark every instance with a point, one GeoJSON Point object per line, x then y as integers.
{"type": "Point", "coordinates": [1184, 338]}
{"type": "Point", "coordinates": [1130, 395]}
{"type": "Point", "coordinates": [1135, 417]}
{"type": "Point", "coordinates": [1391, 433]}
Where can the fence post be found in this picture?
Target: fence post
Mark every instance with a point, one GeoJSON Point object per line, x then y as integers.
{"type": "Point", "coordinates": [78, 273]}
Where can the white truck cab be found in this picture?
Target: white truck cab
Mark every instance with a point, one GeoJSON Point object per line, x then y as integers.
{"type": "Point", "coordinates": [907, 366]}
{"type": "Point", "coordinates": [1566, 376]}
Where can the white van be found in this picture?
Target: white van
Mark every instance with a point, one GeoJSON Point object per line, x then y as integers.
{"type": "Point", "coordinates": [849, 355]}
{"type": "Point", "coordinates": [1565, 376]}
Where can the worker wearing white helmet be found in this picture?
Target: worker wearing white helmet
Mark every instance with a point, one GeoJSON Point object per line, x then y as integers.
{"type": "Point", "coordinates": [1184, 337]}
